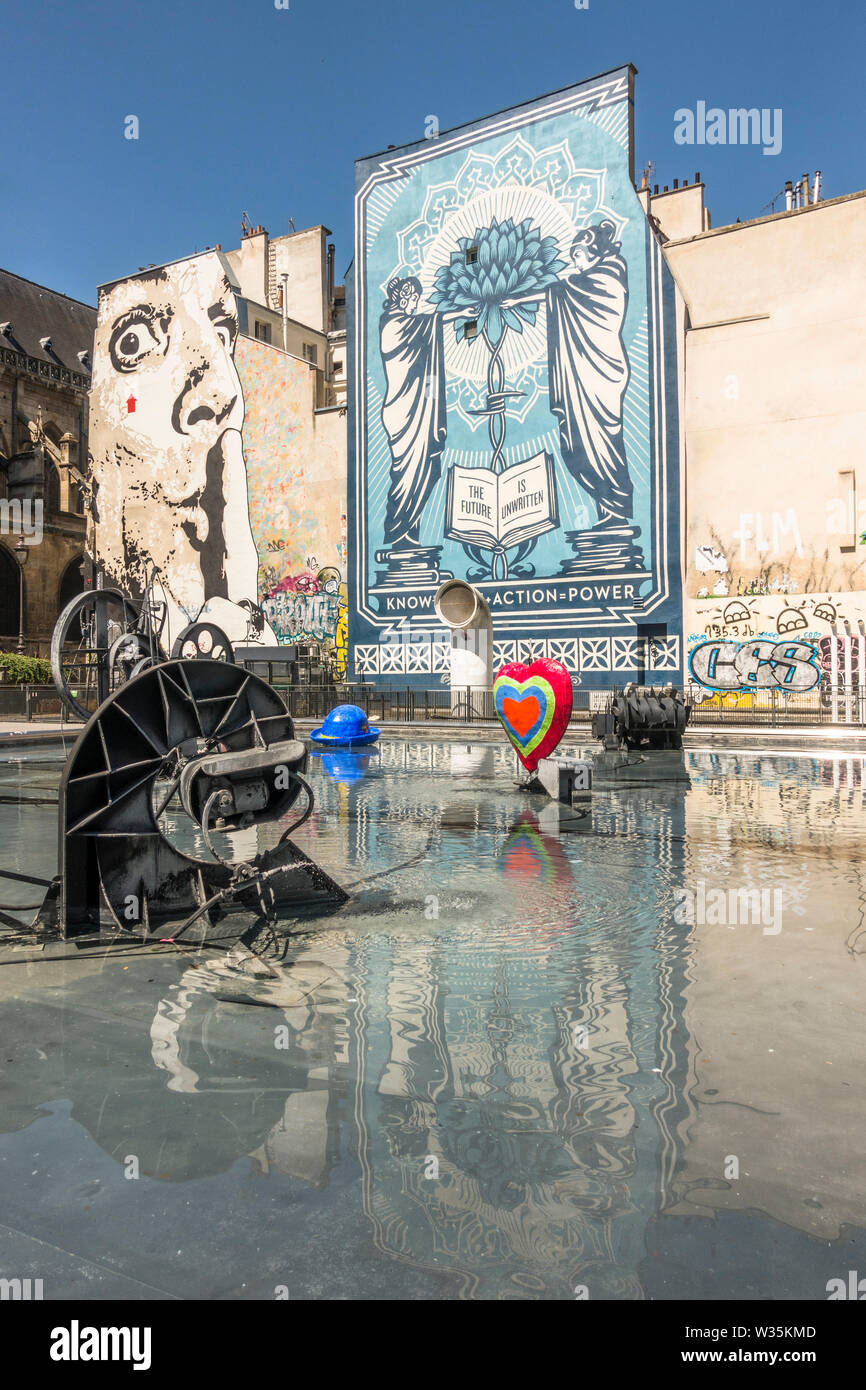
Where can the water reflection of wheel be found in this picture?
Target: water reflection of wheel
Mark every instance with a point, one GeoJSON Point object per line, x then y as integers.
{"type": "Point", "coordinates": [89, 627]}
{"type": "Point", "coordinates": [202, 642]}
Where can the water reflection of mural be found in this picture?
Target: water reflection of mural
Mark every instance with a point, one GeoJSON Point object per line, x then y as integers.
{"type": "Point", "coordinates": [511, 418]}
{"type": "Point", "coordinates": [531, 1094]}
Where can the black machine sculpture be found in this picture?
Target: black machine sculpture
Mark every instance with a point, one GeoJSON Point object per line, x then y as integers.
{"type": "Point", "coordinates": [643, 718]}
{"type": "Point", "coordinates": [222, 739]}
{"type": "Point", "coordinates": [197, 733]}
{"type": "Point", "coordinates": [103, 638]}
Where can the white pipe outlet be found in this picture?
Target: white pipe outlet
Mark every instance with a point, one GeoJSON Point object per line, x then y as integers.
{"type": "Point", "coordinates": [464, 610]}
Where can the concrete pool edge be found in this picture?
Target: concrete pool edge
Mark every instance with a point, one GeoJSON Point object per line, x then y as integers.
{"type": "Point", "coordinates": [840, 740]}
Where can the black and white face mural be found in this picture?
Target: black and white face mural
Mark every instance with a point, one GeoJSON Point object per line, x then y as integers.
{"type": "Point", "coordinates": [167, 473]}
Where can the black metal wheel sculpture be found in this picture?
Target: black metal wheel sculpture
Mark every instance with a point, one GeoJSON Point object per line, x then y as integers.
{"type": "Point", "coordinates": [91, 628]}
{"type": "Point", "coordinates": [641, 717]}
{"type": "Point", "coordinates": [225, 739]}
{"type": "Point", "coordinates": [202, 642]}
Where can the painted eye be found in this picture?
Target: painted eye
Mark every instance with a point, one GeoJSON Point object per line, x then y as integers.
{"type": "Point", "coordinates": [131, 342]}
{"type": "Point", "coordinates": [226, 330]}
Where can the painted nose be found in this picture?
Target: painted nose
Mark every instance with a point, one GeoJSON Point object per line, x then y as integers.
{"type": "Point", "coordinates": [207, 400]}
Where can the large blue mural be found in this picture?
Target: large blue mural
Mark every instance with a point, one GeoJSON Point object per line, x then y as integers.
{"type": "Point", "coordinates": [513, 408]}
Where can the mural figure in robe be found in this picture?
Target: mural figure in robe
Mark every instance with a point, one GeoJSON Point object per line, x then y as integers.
{"type": "Point", "coordinates": [589, 370]}
{"type": "Point", "coordinates": [167, 473]}
{"type": "Point", "coordinates": [414, 411]}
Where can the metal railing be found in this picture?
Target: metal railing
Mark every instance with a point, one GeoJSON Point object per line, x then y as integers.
{"type": "Point", "coordinates": [30, 702]}
{"type": "Point", "coordinates": [826, 705]}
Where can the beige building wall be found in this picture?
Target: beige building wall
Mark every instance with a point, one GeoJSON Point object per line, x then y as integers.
{"type": "Point", "coordinates": [295, 457]}
{"type": "Point", "coordinates": [306, 328]}
{"type": "Point", "coordinates": [304, 256]}
{"type": "Point", "coordinates": [774, 412]}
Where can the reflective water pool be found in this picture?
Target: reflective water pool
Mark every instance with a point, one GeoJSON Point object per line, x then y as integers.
{"type": "Point", "coordinates": [619, 1057]}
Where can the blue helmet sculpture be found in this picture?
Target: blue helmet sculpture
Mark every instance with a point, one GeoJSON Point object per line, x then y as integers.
{"type": "Point", "coordinates": [345, 725]}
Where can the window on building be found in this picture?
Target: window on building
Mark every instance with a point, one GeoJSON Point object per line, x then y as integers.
{"type": "Point", "coordinates": [311, 353]}
{"type": "Point", "coordinates": [338, 367]}
{"type": "Point", "coordinates": [470, 329]}
{"type": "Point", "coordinates": [471, 255]}
{"type": "Point", "coordinates": [263, 331]}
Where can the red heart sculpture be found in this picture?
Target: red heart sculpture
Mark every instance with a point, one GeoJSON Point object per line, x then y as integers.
{"type": "Point", "coordinates": [533, 704]}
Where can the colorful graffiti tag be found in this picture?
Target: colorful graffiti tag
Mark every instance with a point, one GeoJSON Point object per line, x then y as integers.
{"type": "Point", "coordinates": [311, 606]}
{"type": "Point", "coordinates": [762, 664]}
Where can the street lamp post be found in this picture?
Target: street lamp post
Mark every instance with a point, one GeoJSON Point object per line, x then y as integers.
{"type": "Point", "coordinates": [21, 553]}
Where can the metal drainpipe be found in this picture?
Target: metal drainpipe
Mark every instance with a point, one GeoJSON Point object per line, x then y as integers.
{"type": "Point", "coordinates": [848, 677]}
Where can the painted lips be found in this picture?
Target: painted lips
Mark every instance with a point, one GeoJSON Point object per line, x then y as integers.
{"type": "Point", "coordinates": [533, 704]}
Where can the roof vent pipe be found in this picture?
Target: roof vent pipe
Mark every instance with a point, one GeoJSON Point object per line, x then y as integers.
{"type": "Point", "coordinates": [816, 187]}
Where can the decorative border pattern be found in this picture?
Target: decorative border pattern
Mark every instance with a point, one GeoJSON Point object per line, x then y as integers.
{"type": "Point", "coordinates": [582, 656]}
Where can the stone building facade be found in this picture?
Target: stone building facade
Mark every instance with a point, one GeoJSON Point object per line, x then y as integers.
{"type": "Point", "coordinates": [46, 341]}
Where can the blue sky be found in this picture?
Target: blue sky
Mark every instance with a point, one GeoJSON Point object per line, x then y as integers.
{"type": "Point", "coordinates": [243, 107]}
